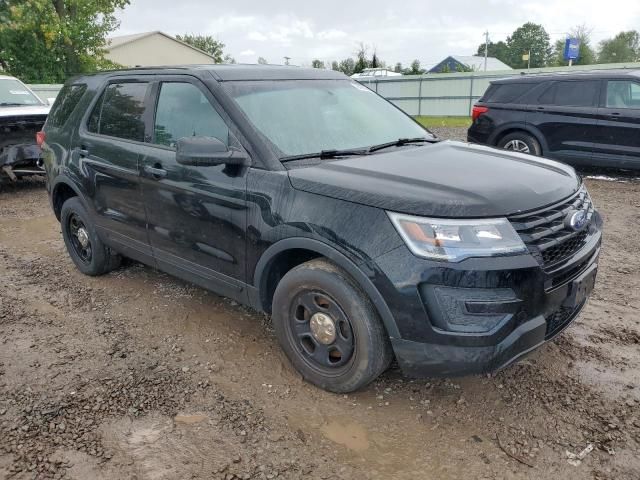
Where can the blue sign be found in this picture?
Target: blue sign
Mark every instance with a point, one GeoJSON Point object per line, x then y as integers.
{"type": "Point", "coordinates": [572, 49]}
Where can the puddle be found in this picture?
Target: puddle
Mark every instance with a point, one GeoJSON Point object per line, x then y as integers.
{"type": "Point", "coordinates": [351, 435]}
{"type": "Point", "coordinates": [189, 419]}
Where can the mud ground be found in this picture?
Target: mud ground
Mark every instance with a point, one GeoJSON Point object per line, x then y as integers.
{"type": "Point", "coordinates": [136, 375]}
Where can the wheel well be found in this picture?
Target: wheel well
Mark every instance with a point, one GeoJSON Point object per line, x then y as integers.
{"type": "Point", "coordinates": [61, 194]}
{"type": "Point", "coordinates": [278, 268]}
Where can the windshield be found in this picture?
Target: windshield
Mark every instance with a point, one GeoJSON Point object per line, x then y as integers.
{"type": "Point", "coordinates": [14, 93]}
{"type": "Point", "coordinates": [307, 116]}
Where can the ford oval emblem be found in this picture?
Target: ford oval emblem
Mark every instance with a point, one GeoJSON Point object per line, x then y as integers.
{"type": "Point", "coordinates": [576, 220]}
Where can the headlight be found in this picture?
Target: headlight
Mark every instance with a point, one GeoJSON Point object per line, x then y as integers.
{"type": "Point", "coordinates": [455, 240]}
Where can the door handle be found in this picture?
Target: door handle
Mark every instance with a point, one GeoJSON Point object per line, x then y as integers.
{"type": "Point", "coordinates": [156, 171]}
{"type": "Point", "coordinates": [83, 151]}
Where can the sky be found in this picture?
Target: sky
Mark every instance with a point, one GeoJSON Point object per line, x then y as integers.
{"type": "Point", "coordinates": [399, 31]}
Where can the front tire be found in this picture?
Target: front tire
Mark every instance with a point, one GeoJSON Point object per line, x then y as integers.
{"type": "Point", "coordinates": [328, 328]}
{"type": "Point", "coordinates": [90, 255]}
{"type": "Point", "coordinates": [521, 142]}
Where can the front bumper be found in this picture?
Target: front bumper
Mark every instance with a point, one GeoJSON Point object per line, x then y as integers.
{"type": "Point", "coordinates": [486, 313]}
{"type": "Point", "coordinates": [433, 360]}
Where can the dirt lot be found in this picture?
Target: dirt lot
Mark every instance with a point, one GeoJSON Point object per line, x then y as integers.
{"type": "Point", "coordinates": [139, 375]}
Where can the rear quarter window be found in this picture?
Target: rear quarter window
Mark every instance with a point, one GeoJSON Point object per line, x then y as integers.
{"type": "Point", "coordinates": [571, 93]}
{"type": "Point", "coordinates": [506, 92]}
{"type": "Point", "coordinates": [65, 104]}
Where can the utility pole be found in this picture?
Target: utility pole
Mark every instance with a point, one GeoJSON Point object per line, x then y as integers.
{"type": "Point", "coordinates": [286, 60]}
{"type": "Point", "coordinates": [486, 48]}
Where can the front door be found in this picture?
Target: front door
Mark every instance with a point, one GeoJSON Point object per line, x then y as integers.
{"type": "Point", "coordinates": [618, 141]}
{"type": "Point", "coordinates": [108, 147]}
{"type": "Point", "coordinates": [566, 114]}
{"type": "Point", "coordinates": [196, 214]}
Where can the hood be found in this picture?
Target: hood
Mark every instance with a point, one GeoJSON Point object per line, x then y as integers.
{"type": "Point", "coordinates": [447, 179]}
{"type": "Point", "coordinates": [25, 110]}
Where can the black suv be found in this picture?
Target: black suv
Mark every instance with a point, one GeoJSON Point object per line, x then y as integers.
{"type": "Point", "coordinates": [303, 194]}
{"type": "Point", "coordinates": [584, 119]}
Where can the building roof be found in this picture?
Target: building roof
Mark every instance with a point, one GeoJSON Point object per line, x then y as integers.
{"type": "Point", "coordinates": [119, 41]}
{"type": "Point", "coordinates": [474, 63]}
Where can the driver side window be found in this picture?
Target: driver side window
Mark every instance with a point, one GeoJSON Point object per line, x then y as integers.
{"type": "Point", "coordinates": [184, 111]}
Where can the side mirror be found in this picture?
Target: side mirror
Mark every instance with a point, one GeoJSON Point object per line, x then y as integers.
{"type": "Point", "coordinates": [207, 152]}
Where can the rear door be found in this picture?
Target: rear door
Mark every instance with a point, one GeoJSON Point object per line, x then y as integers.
{"type": "Point", "coordinates": [618, 141]}
{"type": "Point", "coordinates": [197, 214]}
{"type": "Point", "coordinates": [108, 147]}
{"type": "Point", "coordinates": [566, 115]}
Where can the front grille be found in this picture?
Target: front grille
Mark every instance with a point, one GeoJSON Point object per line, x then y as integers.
{"type": "Point", "coordinates": [558, 320]}
{"type": "Point", "coordinates": [544, 231]}
{"type": "Point", "coordinates": [564, 249]}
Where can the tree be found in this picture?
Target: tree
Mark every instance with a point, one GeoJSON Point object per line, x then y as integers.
{"type": "Point", "coordinates": [335, 66]}
{"type": "Point", "coordinates": [497, 50]}
{"type": "Point", "coordinates": [529, 38]}
{"type": "Point", "coordinates": [375, 61]}
{"type": "Point", "coordinates": [206, 43]}
{"type": "Point", "coordinates": [361, 59]}
{"type": "Point", "coordinates": [398, 68]}
{"type": "Point", "coordinates": [50, 40]}
{"type": "Point", "coordinates": [624, 47]}
{"type": "Point", "coordinates": [262, 61]}
{"type": "Point", "coordinates": [228, 59]}
{"type": "Point", "coordinates": [415, 69]}
{"type": "Point", "coordinates": [347, 66]}
{"type": "Point", "coordinates": [317, 63]}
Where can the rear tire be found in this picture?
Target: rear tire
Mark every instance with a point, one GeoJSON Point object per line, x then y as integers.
{"type": "Point", "coordinates": [521, 142]}
{"type": "Point", "coordinates": [328, 328]}
{"type": "Point", "coordinates": [91, 256]}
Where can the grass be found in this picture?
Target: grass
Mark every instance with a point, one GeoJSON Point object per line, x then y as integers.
{"type": "Point", "coordinates": [431, 122]}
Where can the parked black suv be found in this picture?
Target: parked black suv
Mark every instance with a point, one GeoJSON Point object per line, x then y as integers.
{"type": "Point", "coordinates": [301, 193]}
{"type": "Point", "coordinates": [584, 119]}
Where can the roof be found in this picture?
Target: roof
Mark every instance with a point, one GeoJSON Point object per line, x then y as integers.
{"type": "Point", "coordinates": [231, 72]}
{"type": "Point", "coordinates": [119, 41]}
{"type": "Point", "coordinates": [476, 63]}
{"type": "Point", "coordinates": [471, 62]}
{"type": "Point", "coordinates": [578, 75]}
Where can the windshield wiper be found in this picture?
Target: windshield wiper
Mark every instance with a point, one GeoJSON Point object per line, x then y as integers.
{"type": "Point", "coordinates": [327, 154]}
{"type": "Point", "coordinates": [402, 141]}
{"type": "Point", "coordinates": [11, 104]}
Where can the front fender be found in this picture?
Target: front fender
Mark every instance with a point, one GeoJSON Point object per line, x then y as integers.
{"type": "Point", "coordinates": [357, 274]}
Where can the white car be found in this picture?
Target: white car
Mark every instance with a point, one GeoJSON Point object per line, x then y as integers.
{"type": "Point", "coordinates": [22, 115]}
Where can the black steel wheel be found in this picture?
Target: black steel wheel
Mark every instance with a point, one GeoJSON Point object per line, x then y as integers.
{"type": "Point", "coordinates": [90, 255]}
{"type": "Point", "coordinates": [80, 238]}
{"type": "Point", "coordinates": [321, 331]}
{"type": "Point", "coordinates": [328, 327]}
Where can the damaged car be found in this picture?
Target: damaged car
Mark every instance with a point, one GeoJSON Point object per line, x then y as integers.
{"type": "Point", "coordinates": [22, 116]}
{"type": "Point", "coordinates": [303, 194]}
